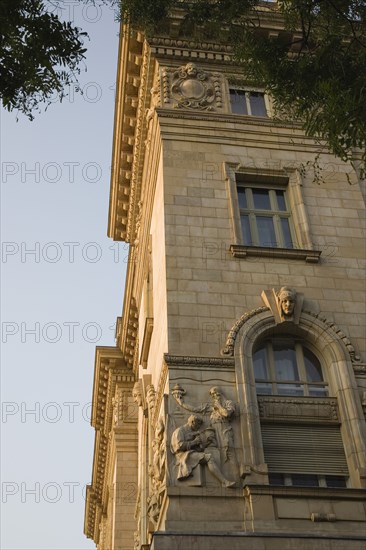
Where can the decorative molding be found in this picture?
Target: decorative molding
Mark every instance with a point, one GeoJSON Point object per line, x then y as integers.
{"type": "Point", "coordinates": [359, 369]}
{"type": "Point", "coordinates": [151, 399]}
{"type": "Point", "coordinates": [233, 118]}
{"type": "Point", "coordinates": [130, 346]}
{"type": "Point", "coordinates": [111, 407]}
{"type": "Point", "coordinates": [159, 395]}
{"type": "Point", "coordinates": [300, 409]}
{"type": "Point", "coordinates": [243, 251]}
{"type": "Point", "coordinates": [127, 100]}
{"type": "Point", "coordinates": [194, 361]}
{"type": "Point", "coordinates": [228, 349]}
{"type": "Point", "coordinates": [346, 341]}
{"type": "Point", "coordinates": [139, 145]}
{"type": "Point", "coordinates": [145, 347]}
{"type": "Point", "coordinates": [189, 87]}
{"type": "Point", "coordinates": [192, 49]}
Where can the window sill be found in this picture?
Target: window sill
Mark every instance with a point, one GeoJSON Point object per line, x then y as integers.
{"type": "Point", "coordinates": [242, 251]}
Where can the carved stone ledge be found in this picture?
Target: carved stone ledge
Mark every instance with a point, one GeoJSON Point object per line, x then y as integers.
{"type": "Point", "coordinates": [241, 251]}
{"type": "Point", "coordinates": [298, 409]}
{"type": "Point", "coordinates": [181, 360]}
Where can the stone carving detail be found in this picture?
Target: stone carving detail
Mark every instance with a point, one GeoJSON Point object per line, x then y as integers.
{"type": "Point", "coordinates": [150, 398]}
{"type": "Point", "coordinates": [192, 88]}
{"type": "Point", "coordinates": [228, 349]}
{"type": "Point", "coordinates": [351, 350]}
{"type": "Point", "coordinates": [137, 516]}
{"type": "Point", "coordinates": [303, 409]}
{"type": "Point", "coordinates": [275, 302]}
{"type": "Point", "coordinates": [285, 304]}
{"type": "Point", "coordinates": [363, 402]}
{"type": "Point", "coordinates": [192, 446]}
{"type": "Point", "coordinates": [217, 435]}
{"type": "Point", "coordinates": [124, 409]}
{"type": "Point", "coordinates": [157, 469]}
{"type": "Point", "coordinates": [137, 393]}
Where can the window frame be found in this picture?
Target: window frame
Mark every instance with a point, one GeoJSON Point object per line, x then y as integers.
{"type": "Point", "coordinates": [247, 90]}
{"type": "Point", "coordinates": [289, 178]}
{"type": "Point", "coordinates": [274, 213]}
{"type": "Point", "coordinates": [319, 336]}
{"type": "Point", "coordinates": [302, 381]}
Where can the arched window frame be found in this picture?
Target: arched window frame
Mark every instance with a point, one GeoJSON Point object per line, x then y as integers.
{"type": "Point", "coordinates": [300, 386]}
{"type": "Point", "coordinates": [339, 373]}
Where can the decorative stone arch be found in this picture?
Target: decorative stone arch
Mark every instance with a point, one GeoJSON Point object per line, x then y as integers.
{"type": "Point", "coordinates": [337, 355]}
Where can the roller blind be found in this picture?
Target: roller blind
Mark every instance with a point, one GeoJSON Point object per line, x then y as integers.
{"type": "Point", "coordinates": [304, 449]}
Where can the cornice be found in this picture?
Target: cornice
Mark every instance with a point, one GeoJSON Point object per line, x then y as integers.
{"type": "Point", "coordinates": [110, 366]}
{"type": "Point", "coordinates": [125, 122]}
{"type": "Point", "coordinates": [110, 369]}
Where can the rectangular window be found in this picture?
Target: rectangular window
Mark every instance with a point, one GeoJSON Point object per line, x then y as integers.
{"type": "Point", "coordinates": [265, 217]}
{"type": "Point", "coordinates": [308, 480]}
{"type": "Point", "coordinates": [268, 214]}
{"type": "Point", "coordinates": [248, 103]}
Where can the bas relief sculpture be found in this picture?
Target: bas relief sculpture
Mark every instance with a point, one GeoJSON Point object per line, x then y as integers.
{"type": "Point", "coordinates": [193, 446]}
{"type": "Point", "coordinates": [137, 393]}
{"type": "Point", "coordinates": [157, 469]}
{"type": "Point", "coordinates": [192, 88]}
{"type": "Point", "coordinates": [286, 298]}
{"type": "Point", "coordinates": [285, 304]}
{"type": "Point", "coordinates": [212, 445]}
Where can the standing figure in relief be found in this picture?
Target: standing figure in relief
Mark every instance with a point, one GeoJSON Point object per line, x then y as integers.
{"type": "Point", "coordinates": [222, 412]}
{"type": "Point", "coordinates": [191, 447]}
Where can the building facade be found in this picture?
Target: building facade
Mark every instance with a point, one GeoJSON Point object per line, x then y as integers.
{"type": "Point", "coordinates": [231, 413]}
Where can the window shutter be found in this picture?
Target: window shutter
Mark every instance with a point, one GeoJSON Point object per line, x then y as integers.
{"type": "Point", "coordinates": [304, 449]}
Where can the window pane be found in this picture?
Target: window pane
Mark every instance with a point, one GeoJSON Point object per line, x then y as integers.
{"type": "Point", "coordinates": [245, 227]}
{"type": "Point", "coordinates": [285, 363]}
{"type": "Point", "coordinates": [260, 364]}
{"type": "Point", "coordinates": [264, 388]}
{"type": "Point", "coordinates": [257, 105]}
{"type": "Point", "coordinates": [290, 389]}
{"type": "Point", "coordinates": [238, 102]}
{"type": "Point", "coordinates": [318, 391]}
{"type": "Point", "coordinates": [305, 480]}
{"type": "Point", "coordinates": [286, 235]}
{"type": "Point", "coordinates": [261, 199]}
{"type": "Point", "coordinates": [266, 231]}
{"type": "Point", "coordinates": [335, 481]}
{"type": "Point", "coordinates": [312, 367]}
{"type": "Point", "coordinates": [276, 479]}
{"type": "Point", "coordinates": [242, 198]}
{"type": "Point", "coordinates": [281, 201]}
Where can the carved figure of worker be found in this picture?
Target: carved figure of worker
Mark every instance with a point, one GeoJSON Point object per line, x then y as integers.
{"type": "Point", "coordinates": [191, 447]}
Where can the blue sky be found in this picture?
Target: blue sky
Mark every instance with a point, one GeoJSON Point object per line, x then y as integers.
{"type": "Point", "coordinates": [59, 301]}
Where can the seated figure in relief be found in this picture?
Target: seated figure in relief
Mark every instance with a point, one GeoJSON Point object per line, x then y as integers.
{"type": "Point", "coordinates": [193, 446]}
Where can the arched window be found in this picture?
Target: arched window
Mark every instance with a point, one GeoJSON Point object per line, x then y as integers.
{"type": "Point", "coordinates": [297, 452]}
{"type": "Point", "coordinates": [286, 367]}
